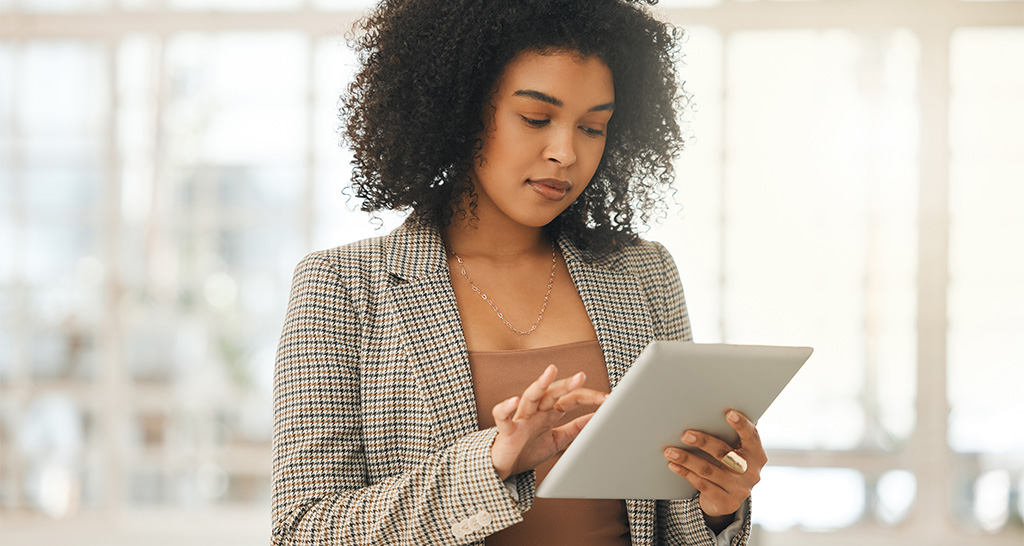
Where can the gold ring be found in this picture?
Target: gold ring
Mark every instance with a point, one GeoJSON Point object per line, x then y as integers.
{"type": "Point", "coordinates": [734, 462]}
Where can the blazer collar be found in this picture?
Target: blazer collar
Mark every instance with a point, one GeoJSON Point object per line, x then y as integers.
{"type": "Point", "coordinates": [414, 250]}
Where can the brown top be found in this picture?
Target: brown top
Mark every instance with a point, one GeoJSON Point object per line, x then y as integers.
{"type": "Point", "coordinates": [500, 375]}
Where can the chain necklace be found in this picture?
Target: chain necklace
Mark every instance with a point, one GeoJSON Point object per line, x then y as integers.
{"type": "Point", "coordinates": [543, 307]}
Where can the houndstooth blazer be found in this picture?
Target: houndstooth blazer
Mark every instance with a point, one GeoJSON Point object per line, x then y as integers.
{"type": "Point", "coordinates": [375, 428]}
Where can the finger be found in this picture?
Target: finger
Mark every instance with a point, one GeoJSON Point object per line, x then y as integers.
{"type": "Point", "coordinates": [749, 438]}
{"type": "Point", "coordinates": [750, 446]}
{"type": "Point", "coordinates": [502, 414]}
{"type": "Point", "coordinates": [707, 443]}
{"type": "Point", "coordinates": [699, 482]}
{"type": "Point", "coordinates": [534, 393]}
{"type": "Point", "coordinates": [560, 388]}
{"type": "Point", "coordinates": [703, 466]}
{"type": "Point", "coordinates": [565, 434]}
{"type": "Point", "coordinates": [580, 397]}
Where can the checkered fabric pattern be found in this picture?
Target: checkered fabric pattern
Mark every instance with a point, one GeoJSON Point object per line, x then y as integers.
{"type": "Point", "coordinates": [375, 430]}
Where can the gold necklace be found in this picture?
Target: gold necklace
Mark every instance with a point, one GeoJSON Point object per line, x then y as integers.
{"type": "Point", "coordinates": [543, 307]}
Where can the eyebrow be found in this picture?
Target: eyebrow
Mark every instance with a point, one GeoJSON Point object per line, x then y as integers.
{"type": "Point", "coordinates": [544, 97]}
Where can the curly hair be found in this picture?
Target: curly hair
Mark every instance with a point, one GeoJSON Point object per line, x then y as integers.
{"type": "Point", "coordinates": [414, 114]}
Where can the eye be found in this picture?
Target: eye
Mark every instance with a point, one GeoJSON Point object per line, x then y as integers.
{"type": "Point", "coordinates": [590, 131]}
{"type": "Point", "coordinates": [535, 122]}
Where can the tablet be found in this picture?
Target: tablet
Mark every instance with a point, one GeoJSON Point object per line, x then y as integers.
{"type": "Point", "coordinates": [673, 386]}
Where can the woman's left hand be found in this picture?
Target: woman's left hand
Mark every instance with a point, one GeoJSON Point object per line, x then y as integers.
{"type": "Point", "coordinates": [722, 489]}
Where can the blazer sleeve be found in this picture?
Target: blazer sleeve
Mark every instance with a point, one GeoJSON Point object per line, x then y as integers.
{"type": "Point", "coordinates": [680, 522]}
{"type": "Point", "coordinates": [321, 491]}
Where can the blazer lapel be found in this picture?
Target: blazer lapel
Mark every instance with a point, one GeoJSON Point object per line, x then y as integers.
{"type": "Point", "coordinates": [615, 304]}
{"type": "Point", "coordinates": [431, 330]}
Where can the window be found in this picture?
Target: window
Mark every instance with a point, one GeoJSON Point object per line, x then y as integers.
{"type": "Point", "coordinates": [851, 182]}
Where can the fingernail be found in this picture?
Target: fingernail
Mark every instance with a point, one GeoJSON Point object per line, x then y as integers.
{"type": "Point", "coordinates": [734, 417]}
{"type": "Point", "coordinates": [669, 454]}
{"type": "Point", "coordinates": [689, 438]}
{"type": "Point", "coordinates": [582, 376]}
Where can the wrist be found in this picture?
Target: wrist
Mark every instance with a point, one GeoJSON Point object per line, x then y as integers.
{"type": "Point", "coordinates": [717, 524]}
{"type": "Point", "coordinates": [499, 469]}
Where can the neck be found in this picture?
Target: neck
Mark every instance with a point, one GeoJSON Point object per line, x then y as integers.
{"type": "Point", "coordinates": [486, 239]}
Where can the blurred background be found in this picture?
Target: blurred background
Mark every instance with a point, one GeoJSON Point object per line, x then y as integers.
{"type": "Point", "coordinates": [853, 181]}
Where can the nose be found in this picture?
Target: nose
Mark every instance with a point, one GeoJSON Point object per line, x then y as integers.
{"type": "Point", "coordinates": [562, 147]}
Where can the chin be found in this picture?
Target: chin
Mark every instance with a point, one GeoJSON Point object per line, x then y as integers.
{"type": "Point", "coordinates": [537, 220]}
{"type": "Point", "coordinates": [535, 223]}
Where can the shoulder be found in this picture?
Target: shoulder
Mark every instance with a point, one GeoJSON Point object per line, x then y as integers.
{"type": "Point", "coordinates": [648, 261]}
{"type": "Point", "coordinates": [409, 252]}
{"type": "Point", "coordinates": [348, 261]}
{"type": "Point", "coordinates": [351, 257]}
{"type": "Point", "coordinates": [656, 274]}
{"type": "Point", "coordinates": [642, 254]}
{"type": "Point", "coordinates": [349, 276]}
{"type": "Point", "coordinates": [652, 265]}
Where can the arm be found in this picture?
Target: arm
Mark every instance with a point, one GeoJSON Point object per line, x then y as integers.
{"type": "Point", "coordinates": [321, 489]}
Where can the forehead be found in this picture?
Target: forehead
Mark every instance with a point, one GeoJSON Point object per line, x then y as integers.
{"type": "Point", "coordinates": [567, 75]}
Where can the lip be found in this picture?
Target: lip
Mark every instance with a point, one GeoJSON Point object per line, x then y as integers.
{"type": "Point", "coordinates": [552, 189]}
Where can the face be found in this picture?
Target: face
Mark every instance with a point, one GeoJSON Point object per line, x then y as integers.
{"type": "Point", "coordinates": [545, 136]}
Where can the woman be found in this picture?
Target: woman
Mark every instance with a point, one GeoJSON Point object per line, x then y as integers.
{"type": "Point", "coordinates": [414, 400]}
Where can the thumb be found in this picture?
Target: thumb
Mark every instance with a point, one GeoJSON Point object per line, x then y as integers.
{"type": "Point", "coordinates": [565, 434]}
{"type": "Point", "coordinates": [502, 414]}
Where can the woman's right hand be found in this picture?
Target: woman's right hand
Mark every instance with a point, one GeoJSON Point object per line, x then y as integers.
{"type": "Point", "coordinates": [527, 435]}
